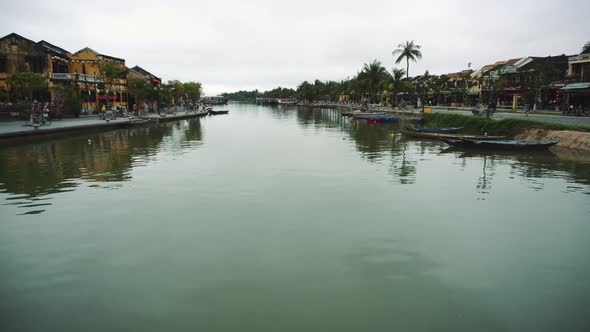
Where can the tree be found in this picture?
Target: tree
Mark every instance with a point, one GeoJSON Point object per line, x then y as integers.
{"type": "Point", "coordinates": [372, 76]}
{"type": "Point", "coordinates": [177, 91]}
{"type": "Point", "coordinates": [193, 90]}
{"type": "Point", "coordinates": [140, 88]}
{"type": "Point", "coordinates": [397, 75]}
{"type": "Point", "coordinates": [25, 84]}
{"type": "Point", "coordinates": [111, 72]}
{"type": "Point", "coordinates": [538, 77]}
{"type": "Point", "coordinates": [66, 99]}
{"type": "Point", "coordinates": [409, 51]}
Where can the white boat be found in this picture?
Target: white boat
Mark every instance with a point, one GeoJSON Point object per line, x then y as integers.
{"type": "Point", "coordinates": [287, 101]}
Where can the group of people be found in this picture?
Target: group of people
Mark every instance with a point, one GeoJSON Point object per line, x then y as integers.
{"type": "Point", "coordinates": [573, 110]}
{"type": "Point", "coordinates": [121, 111]}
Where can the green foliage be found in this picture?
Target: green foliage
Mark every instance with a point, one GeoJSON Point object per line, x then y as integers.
{"type": "Point", "coordinates": [141, 89]}
{"type": "Point", "coordinates": [242, 95]}
{"type": "Point", "coordinates": [279, 93]}
{"type": "Point", "coordinates": [193, 90]}
{"type": "Point", "coordinates": [372, 76]}
{"type": "Point", "coordinates": [163, 95]}
{"type": "Point", "coordinates": [25, 84]}
{"type": "Point", "coordinates": [23, 108]}
{"type": "Point", "coordinates": [67, 100]}
{"type": "Point", "coordinates": [409, 51]}
{"type": "Point", "coordinates": [4, 96]}
{"type": "Point", "coordinates": [111, 71]}
{"type": "Point", "coordinates": [481, 125]}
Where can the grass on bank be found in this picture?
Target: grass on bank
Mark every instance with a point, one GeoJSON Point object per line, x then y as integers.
{"type": "Point", "coordinates": [481, 125]}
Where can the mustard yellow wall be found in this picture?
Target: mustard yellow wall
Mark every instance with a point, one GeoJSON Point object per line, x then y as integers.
{"type": "Point", "coordinates": [91, 66]}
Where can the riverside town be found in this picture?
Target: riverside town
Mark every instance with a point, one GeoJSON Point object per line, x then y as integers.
{"type": "Point", "coordinates": [325, 166]}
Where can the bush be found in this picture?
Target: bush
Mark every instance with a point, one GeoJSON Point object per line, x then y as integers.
{"type": "Point", "coordinates": [481, 125]}
{"type": "Point", "coordinates": [23, 108]}
{"type": "Point", "coordinates": [73, 105]}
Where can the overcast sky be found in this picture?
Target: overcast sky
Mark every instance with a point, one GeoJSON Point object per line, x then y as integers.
{"type": "Point", "coordinates": [232, 45]}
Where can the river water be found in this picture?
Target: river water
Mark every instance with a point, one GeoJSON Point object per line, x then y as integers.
{"type": "Point", "coordinates": [272, 219]}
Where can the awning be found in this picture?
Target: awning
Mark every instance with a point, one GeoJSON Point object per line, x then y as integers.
{"type": "Point", "coordinates": [576, 86]}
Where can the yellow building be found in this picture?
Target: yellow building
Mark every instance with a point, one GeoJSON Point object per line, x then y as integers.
{"type": "Point", "coordinates": [84, 68]}
{"type": "Point", "coordinates": [80, 70]}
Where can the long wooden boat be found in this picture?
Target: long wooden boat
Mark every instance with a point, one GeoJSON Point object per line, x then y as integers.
{"type": "Point", "coordinates": [139, 122]}
{"type": "Point", "coordinates": [365, 115]}
{"type": "Point", "coordinates": [389, 118]}
{"type": "Point", "coordinates": [414, 133]}
{"type": "Point", "coordinates": [448, 130]}
{"type": "Point", "coordinates": [213, 112]}
{"type": "Point", "coordinates": [501, 144]}
{"type": "Point", "coordinates": [350, 113]}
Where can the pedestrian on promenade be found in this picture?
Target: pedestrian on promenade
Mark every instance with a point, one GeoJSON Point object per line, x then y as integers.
{"type": "Point", "coordinates": [135, 108]}
{"type": "Point", "coordinates": [145, 108]}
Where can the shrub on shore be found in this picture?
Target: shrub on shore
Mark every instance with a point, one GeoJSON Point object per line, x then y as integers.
{"type": "Point", "coordinates": [481, 125]}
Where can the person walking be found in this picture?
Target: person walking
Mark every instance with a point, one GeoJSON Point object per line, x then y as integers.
{"type": "Point", "coordinates": [145, 108]}
{"type": "Point", "coordinates": [135, 109]}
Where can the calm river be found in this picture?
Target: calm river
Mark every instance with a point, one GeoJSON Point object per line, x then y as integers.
{"type": "Point", "coordinates": [272, 219]}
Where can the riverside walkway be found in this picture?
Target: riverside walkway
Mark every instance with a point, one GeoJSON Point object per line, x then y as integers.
{"type": "Point", "coordinates": [17, 130]}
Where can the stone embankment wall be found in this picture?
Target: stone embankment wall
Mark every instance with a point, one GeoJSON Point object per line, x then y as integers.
{"type": "Point", "coordinates": [570, 139]}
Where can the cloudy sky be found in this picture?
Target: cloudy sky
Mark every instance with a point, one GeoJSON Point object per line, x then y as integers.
{"type": "Point", "coordinates": [231, 45]}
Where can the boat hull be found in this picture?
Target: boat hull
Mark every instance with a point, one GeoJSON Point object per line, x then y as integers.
{"type": "Point", "coordinates": [446, 130]}
{"type": "Point", "coordinates": [218, 112]}
{"type": "Point", "coordinates": [500, 144]}
{"type": "Point", "coordinates": [449, 136]}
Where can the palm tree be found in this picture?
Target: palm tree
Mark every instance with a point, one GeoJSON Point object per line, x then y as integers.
{"type": "Point", "coordinates": [373, 74]}
{"type": "Point", "coordinates": [409, 51]}
{"type": "Point", "coordinates": [397, 75]}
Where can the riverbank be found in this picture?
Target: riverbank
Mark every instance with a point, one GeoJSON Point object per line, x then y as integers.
{"type": "Point", "coordinates": [15, 131]}
{"type": "Point", "coordinates": [572, 137]}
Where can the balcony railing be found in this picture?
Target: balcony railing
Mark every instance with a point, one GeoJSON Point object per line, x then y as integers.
{"type": "Point", "coordinates": [63, 76]}
{"type": "Point", "coordinates": [89, 78]}
{"type": "Point", "coordinates": [580, 57]}
{"type": "Point", "coordinates": [76, 77]}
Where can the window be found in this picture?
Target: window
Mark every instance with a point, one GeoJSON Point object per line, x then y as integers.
{"type": "Point", "coordinates": [59, 67]}
{"type": "Point", "coordinates": [2, 64]}
{"type": "Point", "coordinates": [35, 63]}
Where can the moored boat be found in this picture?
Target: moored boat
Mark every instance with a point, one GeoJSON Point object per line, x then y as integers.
{"type": "Point", "coordinates": [501, 144]}
{"type": "Point", "coordinates": [366, 115]}
{"type": "Point", "coordinates": [414, 133]}
{"type": "Point", "coordinates": [287, 101]}
{"type": "Point", "coordinates": [213, 112]}
{"type": "Point", "coordinates": [139, 122]}
{"type": "Point", "coordinates": [448, 130]}
{"type": "Point", "coordinates": [388, 118]}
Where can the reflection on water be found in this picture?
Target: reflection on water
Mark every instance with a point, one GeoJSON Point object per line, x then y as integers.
{"type": "Point", "coordinates": [35, 171]}
{"type": "Point", "coordinates": [383, 143]}
{"type": "Point", "coordinates": [291, 218]}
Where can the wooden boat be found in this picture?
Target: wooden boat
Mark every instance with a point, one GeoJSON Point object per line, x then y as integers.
{"type": "Point", "coordinates": [365, 115]}
{"type": "Point", "coordinates": [388, 118]}
{"type": "Point", "coordinates": [448, 130]}
{"type": "Point", "coordinates": [139, 122]}
{"type": "Point", "coordinates": [414, 133]}
{"type": "Point", "coordinates": [350, 113]}
{"type": "Point", "coordinates": [213, 112]}
{"type": "Point", "coordinates": [500, 144]}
